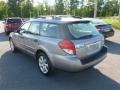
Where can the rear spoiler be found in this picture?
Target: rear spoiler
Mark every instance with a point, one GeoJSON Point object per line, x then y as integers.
{"type": "Point", "coordinates": [81, 21]}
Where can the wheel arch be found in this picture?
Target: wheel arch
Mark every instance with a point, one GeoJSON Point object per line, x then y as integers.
{"type": "Point", "coordinates": [9, 38]}
{"type": "Point", "coordinates": [43, 51]}
{"type": "Point", "coordinates": [46, 52]}
{"type": "Point", "coordinates": [39, 51]}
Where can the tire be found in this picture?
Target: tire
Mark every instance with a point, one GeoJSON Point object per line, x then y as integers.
{"type": "Point", "coordinates": [7, 33]}
{"type": "Point", "coordinates": [12, 46]}
{"type": "Point", "coordinates": [44, 64]}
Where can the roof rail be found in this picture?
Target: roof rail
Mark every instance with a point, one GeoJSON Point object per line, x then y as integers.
{"type": "Point", "coordinates": [49, 17]}
{"type": "Point", "coordinates": [57, 17]}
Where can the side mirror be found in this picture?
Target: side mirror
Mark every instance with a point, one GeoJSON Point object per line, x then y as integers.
{"type": "Point", "coordinates": [20, 31]}
{"type": "Point", "coordinates": [17, 31]}
{"type": "Point", "coordinates": [3, 22]}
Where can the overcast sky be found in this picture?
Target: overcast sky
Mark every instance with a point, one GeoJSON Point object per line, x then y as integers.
{"type": "Point", "coordinates": [50, 2]}
{"type": "Point", "coordinates": [36, 2]}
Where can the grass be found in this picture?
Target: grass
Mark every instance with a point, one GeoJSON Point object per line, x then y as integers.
{"type": "Point", "coordinates": [114, 21]}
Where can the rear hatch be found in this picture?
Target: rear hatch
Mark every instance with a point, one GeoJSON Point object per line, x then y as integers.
{"type": "Point", "coordinates": [86, 38]}
{"type": "Point", "coordinates": [14, 24]}
{"type": "Point", "coordinates": [88, 47]}
{"type": "Point", "coordinates": [104, 28]}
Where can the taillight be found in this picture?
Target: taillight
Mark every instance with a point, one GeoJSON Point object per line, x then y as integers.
{"type": "Point", "coordinates": [68, 46]}
{"type": "Point", "coordinates": [98, 27]}
{"type": "Point", "coordinates": [8, 25]}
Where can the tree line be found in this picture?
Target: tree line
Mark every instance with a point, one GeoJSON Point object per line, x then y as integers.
{"type": "Point", "coordinates": [82, 8]}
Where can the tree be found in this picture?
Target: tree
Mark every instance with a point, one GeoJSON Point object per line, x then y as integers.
{"type": "Point", "coordinates": [28, 9]}
{"type": "Point", "coordinates": [110, 8]}
{"type": "Point", "coordinates": [119, 9]}
{"type": "Point", "coordinates": [3, 9]}
{"type": "Point", "coordinates": [83, 8]}
{"type": "Point", "coordinates": [73, 6]}
{"type": "Point", "coordinates": [40, 10]}
{"type": "Point", "coordinates": [59, 7]}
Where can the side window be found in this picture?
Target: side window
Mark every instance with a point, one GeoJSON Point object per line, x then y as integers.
{"type": "Point", "coordinates": [50, 30]}
{"type": "Point", "coordinates": [25, 27]}
{"type": "Point", "coordinates": [43, 29]}
{"type": "Point", "coordinates": [34, 28]}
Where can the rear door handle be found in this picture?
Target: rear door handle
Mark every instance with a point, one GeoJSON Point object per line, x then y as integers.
{"type": "Point", "coordinates": [21, 37]}
{"type": "Point", "coordinates": [35, 40]}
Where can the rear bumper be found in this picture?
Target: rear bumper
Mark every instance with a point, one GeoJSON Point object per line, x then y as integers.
{"type": "Point", "coordinates": [108, 34]}
{"type": "Point", "coordinates": [9, 30]}
{"type": "Point", "coordinates": [74, 64]}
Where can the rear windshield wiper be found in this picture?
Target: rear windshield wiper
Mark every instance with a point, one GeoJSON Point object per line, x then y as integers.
{"type": "Point", "coordinates": [86, 36]}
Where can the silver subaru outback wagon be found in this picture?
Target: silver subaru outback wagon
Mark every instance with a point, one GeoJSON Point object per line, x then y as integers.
{"type": "Point", "coordinates": [69, 44]}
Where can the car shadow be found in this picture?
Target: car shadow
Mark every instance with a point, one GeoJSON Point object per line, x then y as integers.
{"type": "Point", "coordinates": [113, 47]}
{"type": "Point", "coordinates": [3, 37]}
{"type": "Point", "coordinates": [20, 72]}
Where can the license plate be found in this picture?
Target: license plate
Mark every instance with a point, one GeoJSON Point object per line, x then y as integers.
{"type": "Point", "coordinates": [93, 48]}
{"type": "Point", "coordinates": [106, 30]}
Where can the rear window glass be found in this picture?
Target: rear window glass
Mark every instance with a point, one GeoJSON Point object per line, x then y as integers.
{"type": "Point", "coordinates": [81, 30]}
{"type": "Point", "coordinates": [14, 21]}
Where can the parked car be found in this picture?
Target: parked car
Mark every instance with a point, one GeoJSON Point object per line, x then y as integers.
{"type": "Point", "coordinates": [103, 27]}
{"type": "Point", "coordinates": [69, 44]}
{"type": "Point", "coordinates": [12, 24]}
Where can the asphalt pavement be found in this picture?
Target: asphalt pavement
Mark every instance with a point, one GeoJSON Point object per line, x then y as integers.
{"type": "Point", "coordinates": [19, 71]}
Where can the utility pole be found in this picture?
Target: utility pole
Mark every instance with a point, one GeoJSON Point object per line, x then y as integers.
{"type": "Point", "coordinates": [95, 8]}
{"type": "Point", "coordinates": [21, 8]}
{"type": "Point", "coordinates": [74, 10]}
{"type": "Point", "coordinates": [76, 2]}
{"type": "Point", "coordinates": [119, 10]}
{"type": "Point", "coordinates": [6, 11]}
{"type": "Point", "coordinates": [29, 9]}
{"type": "Point", "coordinates": [38, 9]}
